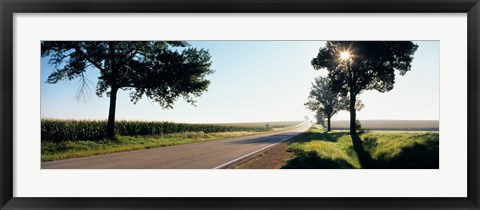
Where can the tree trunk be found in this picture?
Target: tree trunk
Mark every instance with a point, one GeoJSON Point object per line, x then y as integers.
{"type": "Point", "coordinates": [356, 141]}
{"type": "Point", "coordinates": [328, 126]}
{"type": "Point", "coordinates": [113, 93]}
{"type": "Point", "coordinates": [353, 96]}
{"type": "Point", "coordinates": [111, 114]}
{"type": "Point", "coordinates": [353, 114]}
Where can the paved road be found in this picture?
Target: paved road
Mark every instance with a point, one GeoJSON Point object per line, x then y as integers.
{"type": "Point", "coordinates": [203, 155]}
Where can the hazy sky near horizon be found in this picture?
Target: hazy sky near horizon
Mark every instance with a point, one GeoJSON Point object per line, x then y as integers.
{"type": "Point", "coordinates": [256, 81]}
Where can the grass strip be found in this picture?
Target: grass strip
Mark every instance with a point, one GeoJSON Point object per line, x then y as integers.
{"type": "Point", "coordinates": [334, 150]}
{"type": "Point", "coordinates": [74, 149]}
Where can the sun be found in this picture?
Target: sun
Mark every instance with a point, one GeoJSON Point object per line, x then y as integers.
{"type": "Point", "coordinates": [345, 55]}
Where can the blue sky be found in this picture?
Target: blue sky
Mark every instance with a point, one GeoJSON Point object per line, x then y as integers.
{"type": "Point", "coordinates": [256, 81]}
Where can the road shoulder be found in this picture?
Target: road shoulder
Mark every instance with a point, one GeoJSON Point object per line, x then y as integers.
{"type": "Point", "coordinates": [273, 158]}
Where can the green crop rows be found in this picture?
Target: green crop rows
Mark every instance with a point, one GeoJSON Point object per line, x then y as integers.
{"type": "Point", "coordinates": [62, 130]}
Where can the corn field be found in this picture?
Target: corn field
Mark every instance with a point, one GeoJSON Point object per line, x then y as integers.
{"type": "Point", "coordinates": [77, 130]}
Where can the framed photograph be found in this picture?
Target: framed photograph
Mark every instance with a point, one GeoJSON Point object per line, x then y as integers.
{"type": "Point", "coordinates": [239, 105]}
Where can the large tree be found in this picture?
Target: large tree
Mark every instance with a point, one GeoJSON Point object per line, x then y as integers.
{"type": "Point", "coordinates": [161, 70]}
{"type": "Point", "coordinates": [356, 66]}
{"type": "Point", "coordinates": [324, 101]}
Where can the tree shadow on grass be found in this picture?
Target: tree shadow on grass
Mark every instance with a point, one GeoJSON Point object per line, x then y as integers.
{"type": "Point", "coordinates": [311, 160]}
{"type": "Point", "coordinates": [417, 156]}
{"type": "Point", "coordinates": [366, 160]}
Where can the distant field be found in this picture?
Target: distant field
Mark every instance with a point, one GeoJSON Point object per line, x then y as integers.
{"type": "Point", "coordinates": [277, 124]}
{"type": "Point", "coordinates": [403, 125]}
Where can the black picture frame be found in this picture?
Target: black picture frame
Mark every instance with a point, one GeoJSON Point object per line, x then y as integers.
{"type": "Point", "coordinates": [10, 7]}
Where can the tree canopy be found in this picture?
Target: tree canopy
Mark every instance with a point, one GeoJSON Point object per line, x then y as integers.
{"type": "Point", "coordinates": [324, 101]}
{"type": "Point", "coordinates": [356, 66]}
{"type": "Point", "coordinates": [372, 62]}
{"type": "Point", "coordinates": [320, 119]}
{"type": "Point", "coordinates": [160, 70]}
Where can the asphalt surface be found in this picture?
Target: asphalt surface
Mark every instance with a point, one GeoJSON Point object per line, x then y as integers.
{"type": "Point", "coordinates": [203, 155]}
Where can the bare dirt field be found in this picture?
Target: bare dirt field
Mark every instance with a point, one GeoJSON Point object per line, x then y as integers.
{"type": "Point", "coordinates": [403, 125]}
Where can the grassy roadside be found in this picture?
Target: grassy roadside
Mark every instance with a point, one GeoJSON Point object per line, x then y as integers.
{"type": "Point", "coordinates": [334, 150]}
{"type": "Point", "coordinates": [316, 149]}
{"type": "Point", "coordinates": [73, 149]}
